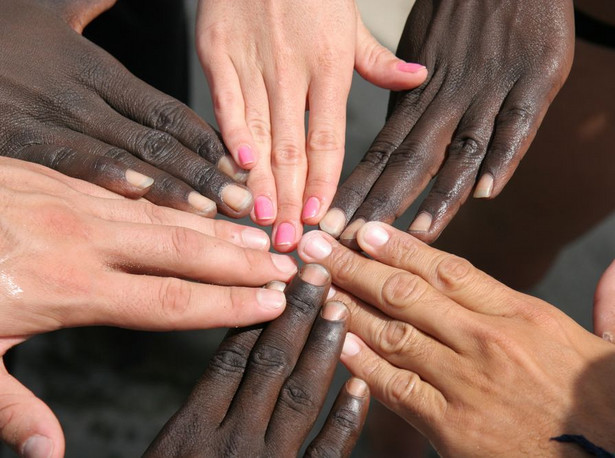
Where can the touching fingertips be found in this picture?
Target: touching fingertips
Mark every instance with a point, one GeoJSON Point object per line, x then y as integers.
{"type": "Point", "coordinates": [285, 235]}
{"type": "Point", "coordinates": [37, 446]}
{"type": "Point", "coordinates": [357, 387]}
{"type": "Point", "coordinates": [335, 311]}
{"type": "Point", "coordinates": [311, 208]}
{"type": "Point", "coordinates": [373, 235]}
{"type": "Point", "coordinates": [484, 187]}
{"type": "Point", "coordinates": [255, 239]}
{"type": "Point", "coordinates": [276, 285]}
{"type": "Point", "coordinates": [410, 67]}
{"type": "Point", "coordinates": [315, 246]}
{"type": "Point", "coordinates": [333, 222]}
{"type": "Point", "coordinates": [349, 236]}
{"type": "Point", "coordinates": [284, 263]}
{"type": "Point", "coordinates": [202, 204]}
{"type": "Point", "coordinates": [351, 347]}
{"type": "Point", "coordinates": [263, 210]}
{"type": "Point", "coordinates": [138, 180]}
{"type": "Point", "coordinates": [246, 156]}
{"type": "Point", "coordinates": [236, 197]}
{"type": "Point", "coordinates": [422, 223]}
{"type": "Point", "coordinates": [270, 299]}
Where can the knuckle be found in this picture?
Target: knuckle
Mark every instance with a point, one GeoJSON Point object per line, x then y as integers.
{"type": "Point", "coordinates": [168, 115]}
{"type": "Point", "coordinates": [184, 243]}
{"type": "Point", "coordinates": [174, 298]}
{"type": "Point", "coordinates": [401, 388]}
{"type": "Point", "coordinates": [296, 397]}
{"type": "Point", "coordinates": [288, 154]}
{"type": "Point", "coordinates": [395, 337]}
{"type": "Point", "coordinates": [230, 360]}
{"type": "Point", "coordinates": [401, 290]}
{"type": "Point", "coordinates": [260, 129]}
{"type": "Point", "coordinates": [269, 360]}
{"type": "Point", "coordinates": [224, 99]}
{"type": "Point", "coordinates": [345, 265]}
{"type": "Point", "coordinates": [324, 140]}
{"type": "Point", "coordinates": [62, 158]}
{"type": "Point", "coordinates": [453, 272]}
{"type": "Point", "coordinates": [156, 147]}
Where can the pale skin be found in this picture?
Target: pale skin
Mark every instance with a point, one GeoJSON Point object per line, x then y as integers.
{"type": "Point", "coordinates": [73, 254]}
{"type": "Point", "coordinates": [478, 368]}
{"type": "Point", "coordinates": [267, 63]}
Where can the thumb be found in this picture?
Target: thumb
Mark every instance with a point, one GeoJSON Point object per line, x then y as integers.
{"type": "Point", "coordinates": [26, 423]}
{"type": "Point", "coordinates": [604, 305]}
{"type": "Point", "coordinates": [379, 66]}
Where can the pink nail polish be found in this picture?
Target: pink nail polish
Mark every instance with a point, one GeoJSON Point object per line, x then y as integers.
{"type": "Point", "coordinates": [246, 155]}
{"type": "Point", "coordinates": [285, 234]}
{"type": "Point", "coordinates": [311, 208]}
{"type": "Point", "coordinates": [409, 67]}
{"type": "Point", "coordinates": [263, 209]}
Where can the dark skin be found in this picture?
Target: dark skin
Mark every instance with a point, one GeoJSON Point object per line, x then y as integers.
{"type": "Point", "coordinates": [494, 68]}
{"type": "Point", "coordinates": [67, 104]}
{"type": "Point", "coordinates": [266, 385]}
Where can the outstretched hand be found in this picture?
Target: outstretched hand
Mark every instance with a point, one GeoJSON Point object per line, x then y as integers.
{"type": "Point", "coordinates": [494, 68]}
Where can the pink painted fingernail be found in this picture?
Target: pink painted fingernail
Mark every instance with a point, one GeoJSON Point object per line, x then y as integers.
{"type": "Point", "coordinates": [285, 235]}
{"type": "Point", "coordinates": [351, 345]}
{"type": "Point", "coordinates": [311, 208]}
{"type": "Point", "coordinates": [263, 209]}
{"type": "Point", "coordinates": [409, 67]}
{"type": "Point", "coordinates": [246, 155]}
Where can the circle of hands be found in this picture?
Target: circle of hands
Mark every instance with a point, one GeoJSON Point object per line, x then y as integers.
{"type": "Point", "coordinates": [108, 188]}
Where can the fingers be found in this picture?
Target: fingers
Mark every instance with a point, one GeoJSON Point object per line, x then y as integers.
{"type": "Point", "coordinates": [452, 276]}
{"type": "Point", "coordinates": [27, 425]}
{"type": "Point", "coordinates": [178, 251]}
{"type": "Point", "coordinates": [275, 354]}
{"type": "Point", "coordinates": [397, 293]}
{"type": "Point", "coordinates": [604, 305]}
{"type": "Point", "coordinates": [304, 392]}
{"type": "Point", "coordinates": [402, 391]}
{"type": "Point", "coordinates": [381, 67]}
{"type": "Point", "coordinates": [344, 423]}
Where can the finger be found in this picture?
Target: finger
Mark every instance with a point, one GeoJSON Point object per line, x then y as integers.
{"type": "Point", "coordinates": [515, 128]}
{"type": "Point", "coordinates": [402, 391]}
{"type": "Point", "coordinates": [275, 354]}
{"type": "Point", "coordinates": [343, 427]}
{"type": "Point", "coordinates": [457, 176]}
{"type": "Point", "coordinates": [381, 67]}
{"type": "Point", "coordinates": [289, 163]}
{"type": "Point", "coordinates": [451, 275]}
{"type": "Point", "coordinates": [325, 144]}
{"type": "Point", "coordinates": [27, 425]}
{"type": "Point", "coordinates": [304, 392]}
{"type": "Point", "coordinates": [99, 170]}
{"type": "Point", "coordinates": [604, 305]}
{"type": "Point", "coordinates": [397, 293]}
{"type": "Point", "coordinates": [178, 251]}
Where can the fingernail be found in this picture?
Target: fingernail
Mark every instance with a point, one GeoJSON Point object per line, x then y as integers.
{"type": "Point", "coordinates": [316, 246]}
{"type": "Point", "coordinates": [255, 239]}
{"type": "Point", "coordinates": [332, 292]}
{"type": "Point", "coordinates": [315, 274]}
{"type": "Point", "coordinates": [284, 263]}
{"type": "Point", "coordinates": [228, 165]}
{"type": "Point", "coordinates": [263, 209]}
{"type": "Point", "coordinates": [351, 345]}
{"type": "Point", "coordinates": [37, 447]}
{"type": "Point", "coordinates": [409, 67]}
{"type": "Point", "coordinates": [246, 155]}
{"type": "Point", "coordinates": [608, 336]}
{"type": "Point", "coordinates": [138, 180]}
{"type": "Point", "coordinates": [484, 187]}
{"type": "Point", "coordinates": [276, 285]}
{"type": "Point", "coordinates": [236, 197]}
{"type": "Point", "coordinates": [333, 222]}
{"type": "Point", "coordinates": [285, 234]}
{"type": "Point", "coordinates": [349, 236]}
{"type": "Point", "coordinates": [357, 387]}
{"type": "Point", "coordinates": [202, 204]}
{"type": "Point", "coordinates": [334, 311]}
{"type": "Point", "coordinates": [311, 208]}
{"type": "Point", "coordinates": [270, 298]}
{"type": "Point", "coordinates": [375, 235]}
{"type": "Point", "coordinates": [421, 223]}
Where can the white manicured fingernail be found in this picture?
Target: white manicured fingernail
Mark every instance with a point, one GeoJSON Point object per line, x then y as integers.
{"type": "Point", "coordinates": [138, 180]}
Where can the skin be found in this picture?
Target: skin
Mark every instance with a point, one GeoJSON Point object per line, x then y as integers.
{"type": "Point", "coordinates": [73, 254]}
{"type": "Point", "coordinates": [494, 68]}
{"type": "Point", "coordinates": [478, 368]}
{"type": "Point", "coordinates": [266, 385]}
{"type": "Point", "coordinates": [71, 106]}
{"type": "Point", "coordinates": [266, 64]}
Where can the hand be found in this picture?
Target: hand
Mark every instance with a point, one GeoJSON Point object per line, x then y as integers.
{"type": "Point", "coordinates": [494, 69]}
{"type": "Point", "coordinates": [71, 106]}
{"type": "Point", "coordinates": [478, 368]}
{"type": "Point", "coordinates": [265, 387]}
{"type": "Point", "coordinates": [266, 62]}
{"type": "Point", "coordinates": [73, 254]}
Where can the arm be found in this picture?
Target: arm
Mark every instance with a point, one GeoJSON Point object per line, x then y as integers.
{"type": "Point", "coordinates": [475, 366]}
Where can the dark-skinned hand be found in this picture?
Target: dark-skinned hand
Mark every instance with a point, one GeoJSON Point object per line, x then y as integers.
{"type": "Point", "coordinates": [494, 68]}
{"type": "Point", "coordinates": [67, 104]}
{"type": "Point", "coordinates": [266, 385]}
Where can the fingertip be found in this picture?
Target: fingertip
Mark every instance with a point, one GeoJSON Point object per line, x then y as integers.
{"type": "Point", "coordinates": [271, 300]}
{"type": "Point", "coordinates": [264, 211]}
{"type": "Point", "coordinates": [352, 346]}
{"type": "Point", "coordinates": [373, 236]}
{"type": "Point", "coordinates": [227, 165]}
{"type": "Point", "coordinates": [357, 387]}
{"type": "Point", "coordinates": [311, 211]}
{"type": "Point", "coordinates": [246, 156]}
{"type": "Point", "coordinates": [484, 187]}
{"type": "Point", "coordinates": [314, 246]}
{"type": "Point", "coordinates": [238, 198]}
{"type": "Point", "coordinates": [202, 205]}
{"type": "Point", "coordinates": [286, 236]}
{"type": "Point", "coordinates": [138, 180]}
{"type": "Point", "coordinates": [335, 311]}
{"type": "Point", "coordinates": [333, 222]}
